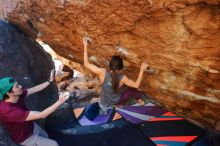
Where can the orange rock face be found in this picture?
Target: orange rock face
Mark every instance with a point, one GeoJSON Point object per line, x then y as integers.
{"type": "Point", "coordinates": [179, 39]}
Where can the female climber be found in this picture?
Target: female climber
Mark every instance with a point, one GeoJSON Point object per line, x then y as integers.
{"type": "Point", "coordinates": [112, 81]}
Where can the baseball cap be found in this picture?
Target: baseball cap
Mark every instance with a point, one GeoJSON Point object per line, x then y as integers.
{"type": "Point", "coordinates": [5, 85]}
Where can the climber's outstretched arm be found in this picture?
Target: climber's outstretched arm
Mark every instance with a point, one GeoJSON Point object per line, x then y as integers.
{"type": "Point", "coordinates": [135, 84]}
{"type": "Point", "coordinates": [97, 70]}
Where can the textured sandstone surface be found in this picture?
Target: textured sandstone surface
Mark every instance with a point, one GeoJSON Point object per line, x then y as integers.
{"type": "Point", "coordinates": [179, 39]}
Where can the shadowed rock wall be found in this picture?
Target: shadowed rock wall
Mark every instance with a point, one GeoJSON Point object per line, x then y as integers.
{"type": "Point", "coordinates": [24, 59]}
